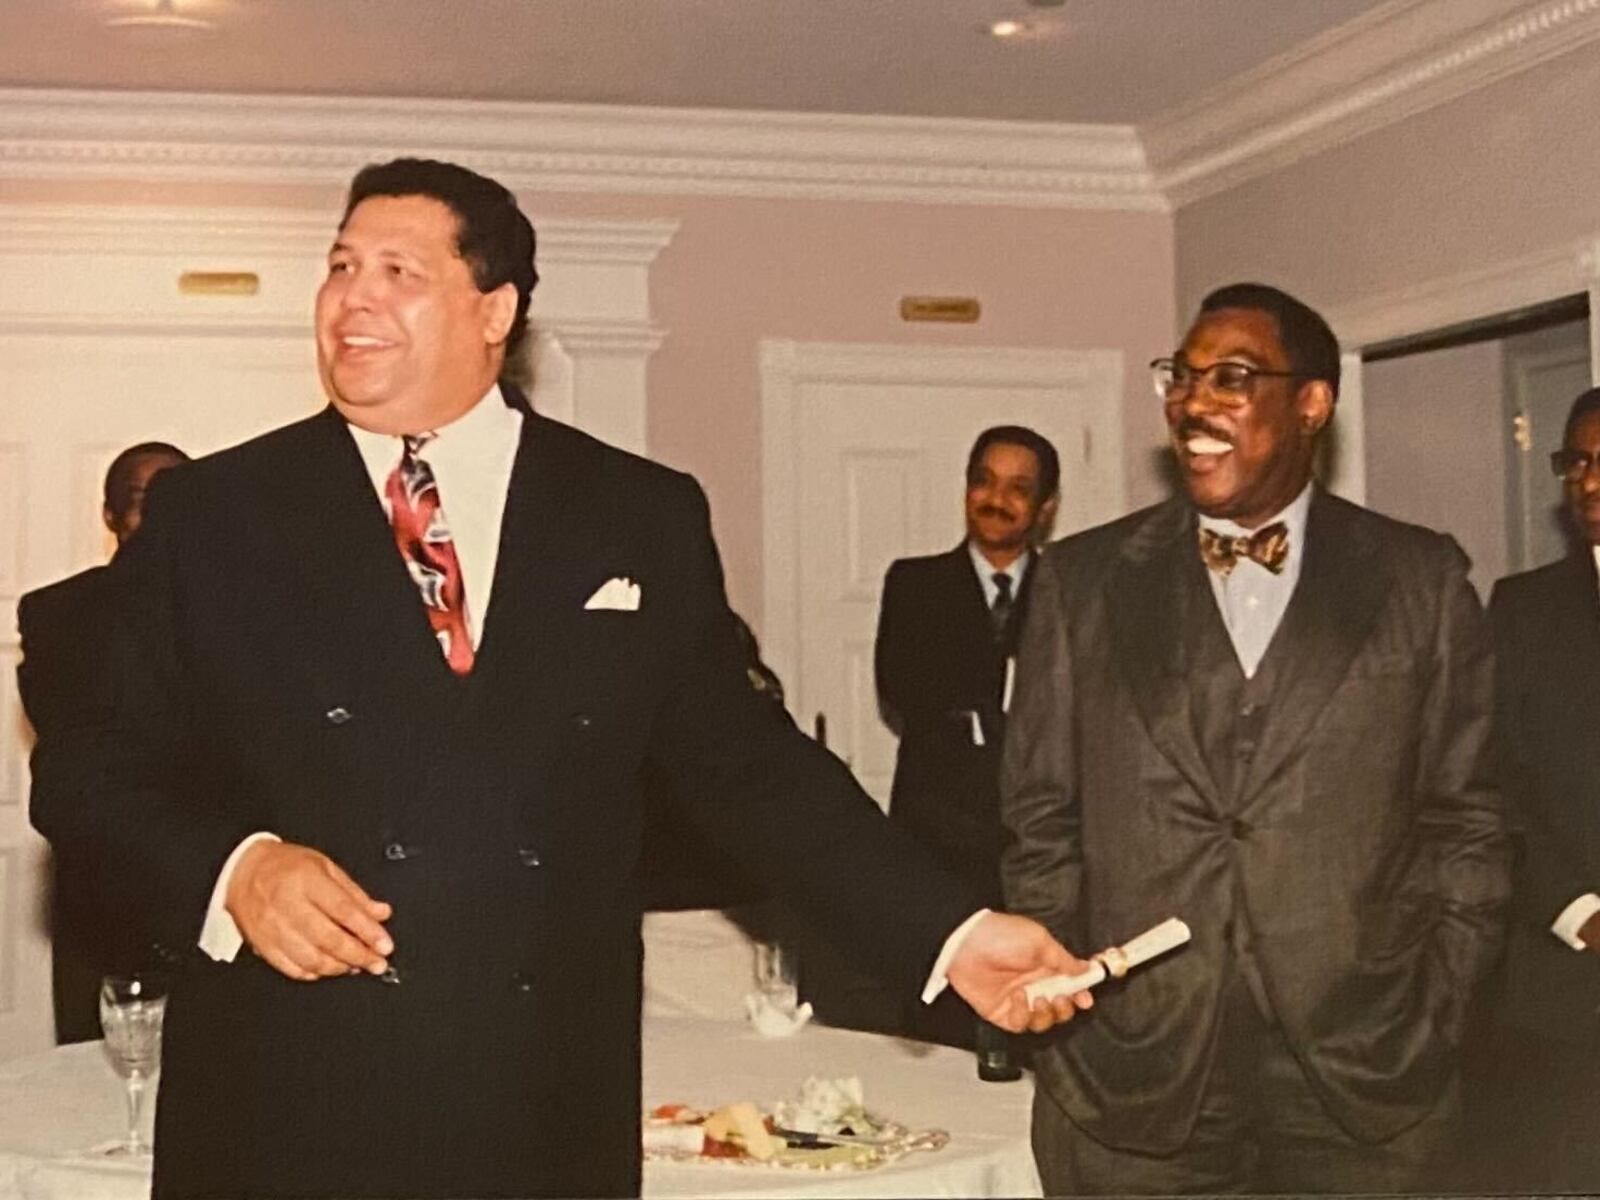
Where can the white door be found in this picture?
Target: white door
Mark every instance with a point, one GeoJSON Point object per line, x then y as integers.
{"type": "Point", "coordinates": [864, 461]}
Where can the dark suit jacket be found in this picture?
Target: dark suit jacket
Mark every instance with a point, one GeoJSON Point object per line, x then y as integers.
{"type": "Point", "coordinates": [287, 680]}
{"type": "Point", "coordinates": [66, 680]}
{"type": "Point", "coordinates": [1362, 853]}
{"type": "Point", "coordinates": [1547, 653]}
{"type": "Point", "coordinates": [936, 660]}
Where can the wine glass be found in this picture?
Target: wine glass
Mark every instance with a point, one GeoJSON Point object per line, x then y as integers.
{"type": "Point", "coordinates": [776, 977]}
{"type": "Point", "coordinates": [131, 1011]}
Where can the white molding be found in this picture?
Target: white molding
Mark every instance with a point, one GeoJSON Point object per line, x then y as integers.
{"type": "Point", "coordinates": [144, 136]}
{"type": "Point", "coordinates": [787, 366]}
{"type": "Point", "coordinates": [280, 233]}
{"type": "Point", "coordinates": [1400, 59]}
{"type": "Point", "coordinates": [1469, 295]}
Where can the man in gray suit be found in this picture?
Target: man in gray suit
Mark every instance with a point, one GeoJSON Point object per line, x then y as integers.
{"type": "Point", "coordinates": [1265, 710]}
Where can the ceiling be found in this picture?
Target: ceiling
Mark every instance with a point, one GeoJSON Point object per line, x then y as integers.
{"type": "Point", "coordinates": [1116, 61]}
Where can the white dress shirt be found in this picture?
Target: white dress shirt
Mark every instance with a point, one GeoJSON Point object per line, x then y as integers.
{"type": "Point", "coordinates": [1251, 598]}
{"type": "Point", "coordinates": [987, 571]}
{"type": "Point", "coordinates": [1567, 925]}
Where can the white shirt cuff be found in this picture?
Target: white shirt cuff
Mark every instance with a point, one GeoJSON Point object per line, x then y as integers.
{"type": "Point", "coordinates": [1572, 917]}
{"type": "Point", "coordinates": [938, 978]}
{"type": "Point", "coordinates": [220, 938]}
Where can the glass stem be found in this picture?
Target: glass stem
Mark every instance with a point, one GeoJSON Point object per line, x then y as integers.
{"type": "Point", "coordinates": [135, 1104]}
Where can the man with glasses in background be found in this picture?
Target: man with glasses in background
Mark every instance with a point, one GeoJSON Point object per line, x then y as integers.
{"type": "Point", "coordinates": [1266, 711]}
{"type": "Point", "coordinates": [1547, 647]}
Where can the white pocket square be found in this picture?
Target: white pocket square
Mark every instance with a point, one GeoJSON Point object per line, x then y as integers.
{"type": "Point", "coordinates": [618, 594]}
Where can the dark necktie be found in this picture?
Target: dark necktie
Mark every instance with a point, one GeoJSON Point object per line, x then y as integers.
{"type": "Point", "coordinates": [1268, 546]}
{"type": "Point", "coordinates": [1000, 610]}
{"type": "Point", "coordinates": [430, 556]}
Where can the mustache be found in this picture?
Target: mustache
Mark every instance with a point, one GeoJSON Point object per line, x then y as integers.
{"type": "Point", "coordinates": [1192, 426]}
{"type": "Point", "coordinates": [989, 510]}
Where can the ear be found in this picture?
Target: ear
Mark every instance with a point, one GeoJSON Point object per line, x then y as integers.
{"type": "Point", "coordinates": [499, 313]}
{"type": "Point", "coordinates": [1314, 405]}
{"type": "Point", "coordinates": [110, 518]}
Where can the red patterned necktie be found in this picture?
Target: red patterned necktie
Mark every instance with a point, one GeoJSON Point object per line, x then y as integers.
{"type": "Point", "coordinates": [423, 537]}
{"type": "Point", "coordinates": [1268, 546]}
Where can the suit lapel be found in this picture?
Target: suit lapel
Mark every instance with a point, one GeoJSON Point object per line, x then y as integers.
{"type": "Point", "coordinates": [551, 539]}
{"type": "Point", "coordinates": [366, 611]}
{"type": "Point", "coordinates": [1336, 602]}
{"type": "Point", "coordinates": [1149, 597]}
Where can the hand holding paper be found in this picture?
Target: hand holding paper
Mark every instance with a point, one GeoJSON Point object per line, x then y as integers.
{"type": "Point", "coordinates": [1115, 962]}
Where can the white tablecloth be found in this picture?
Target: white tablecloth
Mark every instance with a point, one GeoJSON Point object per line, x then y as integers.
{"type": "Point", "coordinates": [54, 1107]}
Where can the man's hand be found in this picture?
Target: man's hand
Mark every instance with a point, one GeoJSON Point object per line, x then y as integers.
{"type": "Point", "coordinates": [1589, 934]}
{"type": "Point", "coordinates": [999, 957]}
{"type": "Point", "coordinates": [305, 916]}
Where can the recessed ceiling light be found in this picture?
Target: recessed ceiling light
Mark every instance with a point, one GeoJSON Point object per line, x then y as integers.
{"type": "Point", "coordinates": [1014, 29]}
{"type": "Point", "coordinates": [161, 17]}
{"type": "Point", "coordinates": [1006, 28]}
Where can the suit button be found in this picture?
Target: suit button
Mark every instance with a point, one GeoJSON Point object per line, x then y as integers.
{"type": "Point", "coordinates": [583, 722]}
{"type": "Point", "coordinates": [391, 977]}
{"type": "Point", "coordinates": [395, 852]}
{"type": "Point", "coordinates": [1239, 830]}
{"type": "Point", "coordinates": [522, 983]}
{"type": "Point", "coordinates": [337, 715]}
{"type": "Point", "coordinates": [529, 857]}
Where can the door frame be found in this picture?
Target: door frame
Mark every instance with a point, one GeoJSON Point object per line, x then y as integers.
{"type": "Point", "coordinates": [1445, 300]}
{"type": "Point", "coordinates": [788, 366]}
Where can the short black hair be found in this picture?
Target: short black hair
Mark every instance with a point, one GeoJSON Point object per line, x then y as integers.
{"type": "Point", "coordinates": [1307, 339]}
{"type": "Point", "coordinates": [1586, 403]}
{"type": "Point", "coordinates": [119, 475]}
{"type": "Point", "coordinates": [1020, 435]}
{"type": "Point", "coordinates": [493, 236]}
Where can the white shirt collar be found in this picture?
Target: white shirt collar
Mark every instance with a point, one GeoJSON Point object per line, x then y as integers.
{"type": "Point", "coordinates": [987, 570]}
{"type": "Point", "coordinates": [1294, 517]}
{"type": "Point", "coordinates": [479, 434]}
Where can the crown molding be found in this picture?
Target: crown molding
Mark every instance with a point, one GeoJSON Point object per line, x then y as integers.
{"type": "Point", "coordinates": [1397, 60]}
{"type": "Point", "coordinates": [280, 233]}
{"type": "Point", "coordinates": [151, 136]}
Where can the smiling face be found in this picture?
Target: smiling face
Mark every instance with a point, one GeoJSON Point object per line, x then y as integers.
{"type": "Point", "coordinates": [1004, 505]}
{"type": "Point", "coordinates": [1246, 463]}
{"type": "Point", "coordinates": [1583, 494]}
{"type": "Point", "coordinates": [405, 340]}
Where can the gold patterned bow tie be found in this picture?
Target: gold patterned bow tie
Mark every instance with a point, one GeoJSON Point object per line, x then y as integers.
{"type": "Point", "coordinates": [1268, 546]}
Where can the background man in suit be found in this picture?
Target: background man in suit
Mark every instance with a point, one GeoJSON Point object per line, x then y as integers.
{"type": "Point", "coordinates": [64, 678]}
{"type": "Point", "coordinates": [334, 687]}
{"type": "Point", "coordinates": [1547, 652]}
{"type": "Point", "coordinates": [1265, 710]}
{"type": "Point", "coordinates": [946, 629]}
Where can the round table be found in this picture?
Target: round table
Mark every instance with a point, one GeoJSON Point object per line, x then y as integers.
{"type": "Point", "coordinates": [57, 1108]}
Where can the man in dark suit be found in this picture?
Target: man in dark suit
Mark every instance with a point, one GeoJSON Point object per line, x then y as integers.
{"type": "Point", "coordinates": [1265, 710]}
{"type": "Point", "coordinates": [65, 679]}
{"type": "Point", "coordinates": [1547, 651]}
{"type": "Point", "coordinates": [947, 632]}
{"type": "Point", "coordinates": [393, 674]}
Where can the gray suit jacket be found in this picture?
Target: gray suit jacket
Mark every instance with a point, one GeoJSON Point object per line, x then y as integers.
{"type": "Point", "coordinates": [1363, 853]}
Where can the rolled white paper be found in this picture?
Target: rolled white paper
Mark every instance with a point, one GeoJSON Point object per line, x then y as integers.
{"type": "Point", "coordinates": [1117, 961]}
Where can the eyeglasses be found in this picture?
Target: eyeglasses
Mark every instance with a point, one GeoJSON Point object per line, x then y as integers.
{"type": "Point", "coordinates": [1231, 383]}
{"type": "Point", "coordinates": [1572, 465]}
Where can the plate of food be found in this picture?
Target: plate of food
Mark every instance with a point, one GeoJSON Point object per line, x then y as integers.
{"type": "Point", "coordinates": [827, 1128]}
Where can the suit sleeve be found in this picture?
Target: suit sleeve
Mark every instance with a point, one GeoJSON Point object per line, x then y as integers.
{"type": "Point", "coordinates": [1551, 876]}
{"type": "Point", "coordinates": [761, 790]}
{"type": "Point", "coordinates": [1460, 806]}
{"type": "Point", "coordinates": [1042, 865]}
{"type": "Point", "coordinates": [123, 793]}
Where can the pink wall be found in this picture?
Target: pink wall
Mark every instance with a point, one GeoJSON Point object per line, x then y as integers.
{"type": "Point", "coordinates": [1506, 171]}
{"type": "Point", "coordinates": [740, 270]}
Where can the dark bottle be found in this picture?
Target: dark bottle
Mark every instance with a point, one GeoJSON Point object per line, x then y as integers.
{"type": "Point", "coordinates": [996, 1060]}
